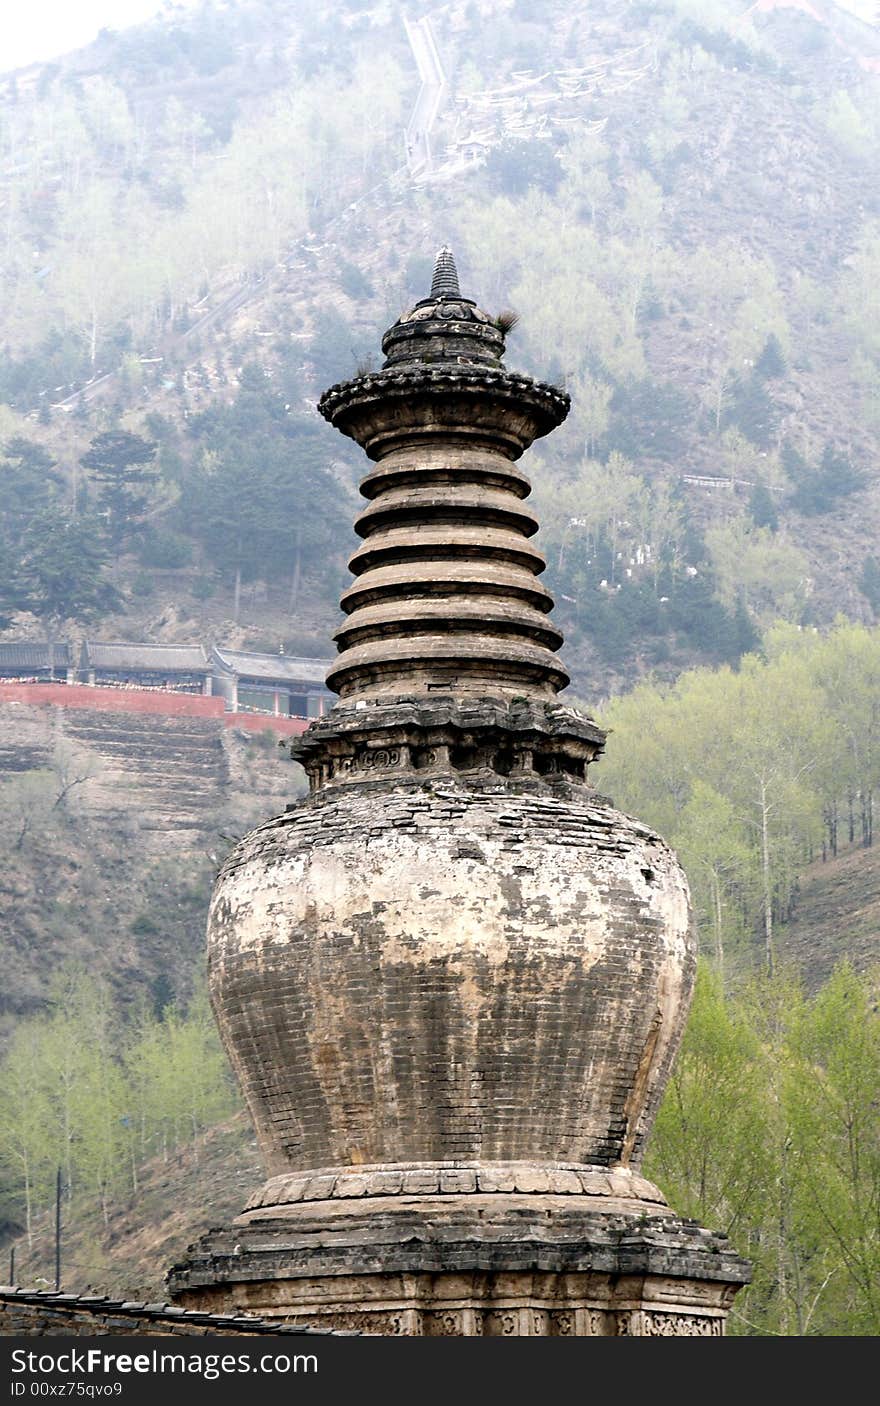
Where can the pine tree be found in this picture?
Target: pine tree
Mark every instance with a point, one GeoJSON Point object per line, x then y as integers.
{"type": "Point", "coordinates": [28, 482]}
{"type": "Point", "coordinates": [771, 363]}
{"type": "Point", "coordinates": [746, 637]}
{"type": "Point", "coordinates": [818, 489]}
{"type": "Point", "coordinates": [839, 473]}
{"type": "Point", "coordinates": [752, 411]}
{"type": "Point", "coordinates": [122, 464]}
{"type": "Point", "coordinates": [61, 575]}
{"type": "Point", "coordinates": [762, 509]}
{"type": "Point", "coordinates": [869, 582]}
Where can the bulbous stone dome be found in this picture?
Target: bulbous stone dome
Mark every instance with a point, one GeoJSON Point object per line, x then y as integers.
{"type": "Point", "coordinates": [461, 970]}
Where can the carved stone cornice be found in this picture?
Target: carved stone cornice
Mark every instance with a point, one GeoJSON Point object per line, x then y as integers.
{"type": "Point", "coordinates": [470, 1266]}
{"type": "Point", "coordinates": [466, 402]}
{"type": "Point", "coordinates": [544, 745]}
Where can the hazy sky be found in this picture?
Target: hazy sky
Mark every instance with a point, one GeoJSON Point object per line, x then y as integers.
{"type": "Point", "coordinates": [32, 30]}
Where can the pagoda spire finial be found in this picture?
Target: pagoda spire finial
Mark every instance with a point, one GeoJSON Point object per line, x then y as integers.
{"type": "Point", "coordinates": [444, 284]}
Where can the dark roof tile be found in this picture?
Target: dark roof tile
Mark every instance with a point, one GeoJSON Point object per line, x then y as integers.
{"type": "Point", "coordinates": [282, 668]}
{"type": "Point", "coordinates": [12, 1294]}
{"type": "Point", "coordinates": [122, 656]}
{"type": "Point", "coordinates": [31, 654]}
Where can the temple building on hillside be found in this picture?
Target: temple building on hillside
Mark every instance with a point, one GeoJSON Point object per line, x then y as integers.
{"type": "Point", "coordinates": [452, 981]}
{"type": "Point", "coordinates": [183, 668]}
{"type": "Point", "coordinates": [28, 661]}
{"type": "Point", "coordinates": [280, 684]}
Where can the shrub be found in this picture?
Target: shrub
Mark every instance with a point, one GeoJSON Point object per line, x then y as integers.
{"type": "Point", "coordinates": [166, 550]}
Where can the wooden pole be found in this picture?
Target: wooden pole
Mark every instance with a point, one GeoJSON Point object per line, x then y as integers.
{"type": "Point", "coordinates": [12, 1266]}
{"type": "Point", "coordinates": [58, 1231]}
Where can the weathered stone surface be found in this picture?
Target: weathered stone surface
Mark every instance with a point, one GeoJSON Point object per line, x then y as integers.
{"type": "Point", "coordinates": [446, 591]}
{"type": "Point", "coordinates": [397, 985]}
{"type": "Point", "coordinates": [543, 746]}
{"type": "Point", "coordinates": [630, 1189]}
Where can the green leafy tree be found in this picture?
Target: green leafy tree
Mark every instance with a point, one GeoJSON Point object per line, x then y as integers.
{"type": "Point", "coordinates": [831, 1096]}
{"type": "Point", "coordinates": [845, 665]}
{"type": "Point", "coordinates": [753, 564]}
{"type": "Point", "coordinates": [82, 1091]}
{"type": "Point", "coordinates": [755, 740]}
{"type": "Point", "coordinates": [714, 845]}
{"type": "Point", "coordinates": [734, 306]}
{"type": "Point", "coordinates": [710, 1146]}
{"type": "Point", "coordinates": [27, 1144]}
{"type": "Point", "coordinates": [776, 733]}
{"type": "Point", "coordinates": [768, 1129]}
{"type": "Point", "coordinates": [83, 1043]}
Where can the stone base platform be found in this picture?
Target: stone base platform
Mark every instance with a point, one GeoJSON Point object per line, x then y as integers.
{"type": "Point", "coordinates": [506, 1250]}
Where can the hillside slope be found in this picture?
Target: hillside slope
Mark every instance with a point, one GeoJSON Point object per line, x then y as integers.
{"type": "Point", "coordinates": [112, 828]}
{"type": "Point", "coordinates": [836, 916]}
{"type": "Point", "coordinates": [178, 1198]}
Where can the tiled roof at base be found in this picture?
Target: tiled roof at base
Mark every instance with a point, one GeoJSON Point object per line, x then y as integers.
{"type": "Point", "coordinates": [119, 1308]}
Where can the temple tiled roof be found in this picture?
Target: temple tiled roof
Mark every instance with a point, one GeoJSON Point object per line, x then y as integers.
{"type": "Point", "coordinates": [31, 654]}
{"type": "Point", "coordinates": [145, 658]}
{"type": "Point", "coordinates": [281, 668]}
{"type": "Point", "coordinates": [154, 1313]}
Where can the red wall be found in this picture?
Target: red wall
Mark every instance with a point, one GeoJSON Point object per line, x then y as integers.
{"type": "Point", "coordinates": [113, 700]}
{"type": "Point", "coordinates": [135, 700]}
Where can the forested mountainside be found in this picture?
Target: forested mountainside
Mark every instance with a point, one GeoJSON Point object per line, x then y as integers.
{"type": "Point", "coordinates": [210, 218]}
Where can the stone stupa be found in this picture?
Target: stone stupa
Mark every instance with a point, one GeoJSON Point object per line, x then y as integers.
{"type": "Point", "coordinates": [452, 981]}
